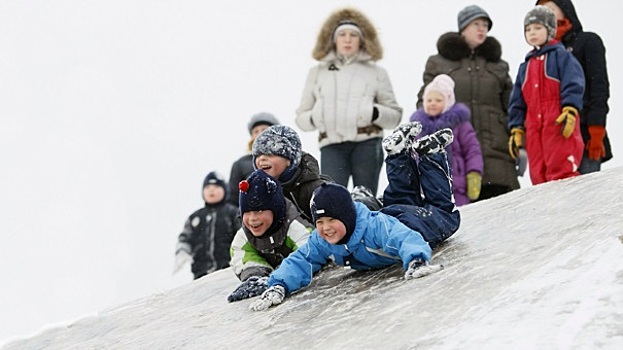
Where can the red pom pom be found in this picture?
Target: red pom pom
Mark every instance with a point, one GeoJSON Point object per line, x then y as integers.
{"type": "Point", "coordinates": [243, 186]}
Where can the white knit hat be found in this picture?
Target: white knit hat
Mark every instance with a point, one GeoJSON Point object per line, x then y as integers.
{"type": "Point", "coordinates": [445, 86]}
{"type": "Point", "coordinates": [347, 25]}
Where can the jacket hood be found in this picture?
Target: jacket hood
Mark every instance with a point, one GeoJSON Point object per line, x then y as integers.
{"type": "Point", "coordinates": [569, 10]}
{"type": "Point", "coordinates": [453, 47]}
{"type": "Point", "coordinates": [324, 41]}
{"type": "Point", "coordinates": [457, 114]}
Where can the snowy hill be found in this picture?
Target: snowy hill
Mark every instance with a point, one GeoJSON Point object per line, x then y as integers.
{"type": "Point", "coordinates": [538, 268]}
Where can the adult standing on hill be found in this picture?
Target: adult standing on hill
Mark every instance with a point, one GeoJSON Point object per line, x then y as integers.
{"type": "Point", "coordinates": [482, 81]}
{"type": "Point", "coordinates": [589, 50]}
{"type": "Point", "coordinates": [349, 99]}
{"type": "Point", "coordinates": [243, 167]}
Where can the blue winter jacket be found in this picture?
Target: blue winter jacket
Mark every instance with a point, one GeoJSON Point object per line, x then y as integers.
{"type": "Point", "coordinates": [379, 240]}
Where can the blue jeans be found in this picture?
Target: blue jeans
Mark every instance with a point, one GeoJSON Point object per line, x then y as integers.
{"type": "Point", "coordinates": [588, 165]}
{"type": "Point", "coordinates": [419, 194]}
{"type": "Point", "coordinates": [361, 160]}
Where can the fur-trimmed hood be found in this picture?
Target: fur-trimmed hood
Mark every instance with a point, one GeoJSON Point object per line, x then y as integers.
{"type": "Point", "coordinates": [324, 41]}
{"type": "Point", "coordinates": [453, 47]}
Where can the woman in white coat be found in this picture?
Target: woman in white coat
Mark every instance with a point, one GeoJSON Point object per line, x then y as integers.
{"type": "Point", "coordinates": [349, 99]}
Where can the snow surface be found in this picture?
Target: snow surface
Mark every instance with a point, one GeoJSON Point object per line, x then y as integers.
{"type": "Point", "coordinates": [113, 111]}
{"type": "Point", "coordinates": [540, 268]}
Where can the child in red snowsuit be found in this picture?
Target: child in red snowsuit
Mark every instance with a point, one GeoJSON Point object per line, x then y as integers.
{"type": "Point", "coordinates": [544, 103]}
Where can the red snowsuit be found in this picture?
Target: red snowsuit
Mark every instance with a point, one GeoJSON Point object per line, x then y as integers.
{"type": "Point", "coordinates": [548, 80]}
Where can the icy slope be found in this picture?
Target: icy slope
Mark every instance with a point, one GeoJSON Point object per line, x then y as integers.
{"type": "Point", "coordinates": [539, 268]}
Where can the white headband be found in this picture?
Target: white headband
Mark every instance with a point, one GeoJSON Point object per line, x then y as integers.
{"type": "Point", "coordinates": [347, 25]}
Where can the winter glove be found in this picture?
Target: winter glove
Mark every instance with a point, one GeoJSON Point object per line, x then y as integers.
{"type": "Point", "coordinates": [420, 268]}
{"type": "Point", "coordinates": [272, 296]}
{"type": "Point", "coordinates": [567, 119]}
{"type": "Point", "coordinates": [181, 258]}
{"type": "Point", "coordinates": [474, 182]}
{"type": "Point", "coordinates": [595, 144]}
{"type": "Point", "coordinates": [252, 287]}
{"type": "Point", "coordinates": [522, 162]}
{"type": "Point", "coordinates": [515, 142]}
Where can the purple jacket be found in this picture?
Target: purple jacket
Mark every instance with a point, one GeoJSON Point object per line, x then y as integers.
{"type": "Point", "coordinates": [464, 153]}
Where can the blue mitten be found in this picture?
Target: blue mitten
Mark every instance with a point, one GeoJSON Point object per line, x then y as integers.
{"type": "Point", "coordinates": [253, 286]}
{"type": "Point", "coordinates": [272, 296]}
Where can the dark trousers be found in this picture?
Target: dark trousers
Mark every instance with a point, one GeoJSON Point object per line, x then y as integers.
{"type": "Point", "coordinates": [361, 160]}
{"type": "Point", "coordinates": [419, 194]}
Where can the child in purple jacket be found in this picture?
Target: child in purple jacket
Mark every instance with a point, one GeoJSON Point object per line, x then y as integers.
{"type": "Point", "coordinates": [465, 156]}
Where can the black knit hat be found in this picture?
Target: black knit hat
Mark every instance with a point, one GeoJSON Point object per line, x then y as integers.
{"type": "Point", "coordinates": [262, 118]}
{"type": "Point", "coordinates": [471, 13]}
{"type": "Point", "coordinates": [542, 15]}
{"type": "Point", "coordinates": [213, 178]}
{"type": "Point", "coordinates": [280, 140]}
{"type": "Point", "coordinates": [334, 200]}
{"type": "Point", "coordinates": [261, 192]}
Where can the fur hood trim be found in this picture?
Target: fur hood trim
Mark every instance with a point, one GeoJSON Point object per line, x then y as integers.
{"type": "Point", "coordinates": [453, 47]}
{"type": "Point", "coordinates": [324, 41]}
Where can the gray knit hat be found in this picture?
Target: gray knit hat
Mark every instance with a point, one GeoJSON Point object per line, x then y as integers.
{"type": "Point", "coordinates": [542, 15]}
{"type": "Point", "coordinates": [262, 118]}
{"type": "Point", "coordinates": [471, 13]}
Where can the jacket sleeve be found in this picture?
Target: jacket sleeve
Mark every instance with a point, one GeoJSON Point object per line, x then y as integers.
{"type": "Point", "coordinates": [599, 91]}
{"type": "Point", "coordinates": [405, 242]}
{"type": "Point", "coordinates": [572, 81]}
{"type": "Point", "coordinates": [390, 113]}
{"type": "Point", "coordinates": [472, 152]}
{"type": "Point", "coordinates": [296, 271]}
{"type": "Point", "coordinates": [246, 261]}
{"type": "Point", "coordinates": [184, 240]}
{"type": "Point", "coordinates": [235, 176]}
{"type": "Point", "coordinates": [304, 112]}
{"type": "Point", "coordinates": [517, 104]}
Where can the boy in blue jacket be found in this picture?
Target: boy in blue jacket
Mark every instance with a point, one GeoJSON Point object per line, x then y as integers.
{"type": "Point", "coordinates": [418, 214]}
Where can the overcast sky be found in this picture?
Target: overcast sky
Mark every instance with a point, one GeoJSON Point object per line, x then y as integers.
{"type": "Point", "coordinates": [112, 112]}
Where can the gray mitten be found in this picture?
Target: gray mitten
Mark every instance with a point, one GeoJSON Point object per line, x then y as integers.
{"type": "Point", "coordinates": [272, 296]}
{"type": "Point", "coordinates": [419, 268]}
{"type": "Point", "coordinates": [253, 286]}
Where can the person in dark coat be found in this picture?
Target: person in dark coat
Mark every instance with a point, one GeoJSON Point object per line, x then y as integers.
{"type": "Point", "coordinates": [473, 60]}
{"type": "Point", "coordinates": [545, 101]}
{"type": "Point", "coordinates": [209, 231]}
{"type": "Point", "coordinates": [243, 167]}
{"type": "Point", "coordinates": [464, 155]}
{"type": "Point", "coordinates": [589, 50]}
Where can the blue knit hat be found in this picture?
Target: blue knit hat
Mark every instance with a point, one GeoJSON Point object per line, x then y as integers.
{"type": "Point", "coordinates": [334, 200]}
{"type": "Point", "coordinates": [261, 192]}
{"type": "Point", "coordinates": [280, 140]}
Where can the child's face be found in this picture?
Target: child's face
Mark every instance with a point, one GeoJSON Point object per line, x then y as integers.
{"type": "Point", "coordinates": [347, 42]}
{"type": "Point", "coordinates": [213, 194]}
{"type": "Point", "coordinates": [258, 221]}
{"type": "Point", "coordinates": [536, 34]}
{"type": "Point", "coordinates": [272, 164]}
{"type": "Point", "coordinates": [331, 229]}
{"type": "Point", "coordinates": [434, 104]}
{"type": "Point", "coordinates": [476, 32]}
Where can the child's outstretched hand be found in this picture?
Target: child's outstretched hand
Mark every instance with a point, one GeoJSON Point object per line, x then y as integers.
{"type": "Point", "coordinates": [272, 296]}
{"type": "Point", "coordinates": [251, 287]}
{"type": "Point", "coordinates": [419, 268]}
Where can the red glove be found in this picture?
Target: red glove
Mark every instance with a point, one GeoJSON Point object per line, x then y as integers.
{"type": "Point", "coordinates": [595, 144]}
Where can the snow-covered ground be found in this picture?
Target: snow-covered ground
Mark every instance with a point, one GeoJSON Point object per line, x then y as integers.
{"type": "Point", "coordinates": [540, 268]}
{"type": "Point", "coordinates": [113, 111]}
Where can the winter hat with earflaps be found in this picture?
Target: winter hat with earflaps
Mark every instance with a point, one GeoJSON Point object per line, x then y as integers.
{"type": "Point", "coordinates": [334, 200]}
{"type": "Point", "coordinates": [261, 192]}
{"type": "Point", "coordinates": [262, 118]}
{"type": "Point", "coordinates": [444, 85]}
{"type": "Point", "coordinates": [471, 13]}
{"type": "Point", "coordinates": [542, 15]}
{"type": "Point", "coordinates": [280, 140]}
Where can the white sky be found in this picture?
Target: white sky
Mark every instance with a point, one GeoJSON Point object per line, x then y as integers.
{"type": "Point", "coordinates": [112, 112]}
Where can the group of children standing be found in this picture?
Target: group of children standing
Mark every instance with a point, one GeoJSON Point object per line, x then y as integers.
{"type": "Point", "coordinates": [292, 220]}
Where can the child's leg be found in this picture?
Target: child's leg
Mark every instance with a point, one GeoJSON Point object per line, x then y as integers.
{"type": "Point", "coordinates": [436, 181]}
{"type": "Point", "coordinates": [404, 182]}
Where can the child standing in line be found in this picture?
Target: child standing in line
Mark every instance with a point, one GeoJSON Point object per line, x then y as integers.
{"type": "Point", "coordinates": [464, 155]}
{"type": "Point", "coordinates": [545, 101]}
{"type": "Point", "coordinates": [208, 232]}
{"type": "Point", "coordinates": [272, 229]}
{"type": "Point", "coordinates": [419, 214]}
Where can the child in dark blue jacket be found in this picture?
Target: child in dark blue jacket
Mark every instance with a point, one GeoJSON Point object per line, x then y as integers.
{"type": "Point", "coordinates": [418, 214]}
